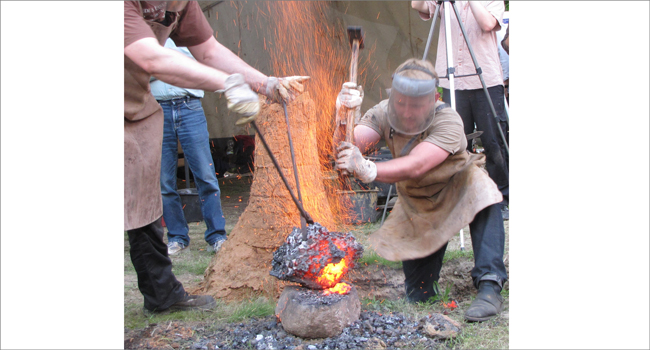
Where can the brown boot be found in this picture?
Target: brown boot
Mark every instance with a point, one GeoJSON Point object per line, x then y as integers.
{"type": "Point", "coordinates": [488, 302]}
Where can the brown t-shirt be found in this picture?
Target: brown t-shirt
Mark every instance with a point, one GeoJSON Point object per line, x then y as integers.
{"type": "Point", "coordinates": [432, 208]}
{"type": "Point", "coordinates": [143, 116]}
{"type": "Point", "coordinates": [192, 28]}
{"type": "Point", "coordinates": [141, 18]}
{"type": "Point", "coordinates": [446, 131]}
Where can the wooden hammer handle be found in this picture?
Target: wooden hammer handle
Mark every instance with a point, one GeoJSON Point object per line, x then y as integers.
{"type": "Point", "coordinates": [355, 60]}
{"type": "Point", "coordinates": [349, 127]}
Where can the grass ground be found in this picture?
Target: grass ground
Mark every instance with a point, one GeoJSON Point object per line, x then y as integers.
{"type": "Point", "coordinates": [190, 264]}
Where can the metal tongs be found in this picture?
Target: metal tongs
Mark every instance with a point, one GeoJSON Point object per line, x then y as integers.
{"type": "Point", "coordinates": [305, 218]}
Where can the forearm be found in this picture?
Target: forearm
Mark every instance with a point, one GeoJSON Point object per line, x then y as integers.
{"type": "Point", "coordinates": [188, 73]}
{"type": "Point", "coordinates": [213, 54]}
{"type": "Point", "coordinates": [485, 20]}
{"type": "Point", "coordinates": [420, 6]}
{"type": "Point", "coordinates": [424, 157]}
{"type": "Point", "coordinates": [399, 169]}
{"type": "Point", "coordinates": [173, 67]}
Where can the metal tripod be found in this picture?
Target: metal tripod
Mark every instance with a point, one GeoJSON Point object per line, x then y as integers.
{"type": "Point", "coordinates": [450, 61]}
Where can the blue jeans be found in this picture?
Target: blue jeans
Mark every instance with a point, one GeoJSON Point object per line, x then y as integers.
{"type": "Point", "coordinates": [185, 122]}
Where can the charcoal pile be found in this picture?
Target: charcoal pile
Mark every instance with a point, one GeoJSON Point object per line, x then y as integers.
{"type": "Point", "coordinates": [318, 261]}
{"type": "Point", "coordinates": [372, 331]}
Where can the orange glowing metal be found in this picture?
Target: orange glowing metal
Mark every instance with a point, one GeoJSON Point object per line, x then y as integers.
{"type": "Point", "coordinates": [341, 288]}
{"type": "Point", "coordinates": [333, 272]}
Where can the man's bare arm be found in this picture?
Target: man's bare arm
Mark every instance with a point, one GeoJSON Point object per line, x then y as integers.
{"type": "Point", "coordinates": [173, 67]}
{"type": "Point", "coordinates": [214, 54]}
{"type": "Point", "coordinates": [424, 157]}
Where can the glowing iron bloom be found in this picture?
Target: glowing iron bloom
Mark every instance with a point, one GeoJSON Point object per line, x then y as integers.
{"type": "Point", "coordinates": [320, 261]}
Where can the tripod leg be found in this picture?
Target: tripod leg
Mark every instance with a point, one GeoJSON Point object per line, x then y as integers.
{"type": "Point", "coordinates": [450, 57]}
{"type": "Point", "coordinates": [478, 70]}
{"type": "Point", "coordinates": [433, 25]}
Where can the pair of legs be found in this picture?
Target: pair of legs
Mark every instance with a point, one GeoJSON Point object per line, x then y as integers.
{"type": "Point", "coordinates": [488, 242]}
{"type": "Point", "coordinates": [474, 108]}
{"type": "Point", "coordinates": [185, 123]}
{"type": "Point", "coordinates": [156, 280]}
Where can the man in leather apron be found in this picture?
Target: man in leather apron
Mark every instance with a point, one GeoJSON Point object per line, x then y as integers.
{"type": "Point", "coordinates": [441, 186]}
{"type": "Point", "coordinates": [147, 25]}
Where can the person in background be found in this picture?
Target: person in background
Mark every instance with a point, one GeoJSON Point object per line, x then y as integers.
{"type": "Point", "coordinates": [147, 25]}
{"type": "Point", "coordinates": [505, 59]}
{"type": "Point", "coordinates": [441, 186]}
{"type": "Point", "coordinates": [505, 47]}
{"type": "Point", "coordinates": [185, 123]}
{"type": "Point", "coordinates": [481, 19]}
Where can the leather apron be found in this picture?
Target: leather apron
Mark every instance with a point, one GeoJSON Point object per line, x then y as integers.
{"type": "Point", "coordinates": [143, 134]}
{"type": "Point", "coordinates": [431, 209]}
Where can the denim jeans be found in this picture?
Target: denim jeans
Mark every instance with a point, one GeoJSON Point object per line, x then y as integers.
{"type": "Point", "coordinates": [156, 280]}
{"type": "Point", "coordinates": [488, 242]}
{"type": "Point", "coordinates": [185, 122]}
{"type": "Point", "coordinates": [474, 108]}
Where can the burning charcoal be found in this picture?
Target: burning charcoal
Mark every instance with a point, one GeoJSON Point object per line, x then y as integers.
{"type": "Point", "coordinates": [320, 261]}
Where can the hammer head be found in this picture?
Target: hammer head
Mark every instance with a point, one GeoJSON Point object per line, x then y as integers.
{"type": "Point", "coordinates": [355, 33]}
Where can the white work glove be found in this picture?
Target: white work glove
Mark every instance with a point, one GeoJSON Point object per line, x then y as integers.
{"type": "Point", "coordinates": [351, 96]}
{"type": "Point", "coordinates": [241, 99]}
{"type": "Point", "coordinates": [284, 89]}
{"type": "Point", "coordinates": [351, 160]}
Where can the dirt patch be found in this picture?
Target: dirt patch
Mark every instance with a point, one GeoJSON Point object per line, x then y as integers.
{"type": "Point", "coordinates": [372, 281]}
{"type": "Point", "coordinates": [378, 282]}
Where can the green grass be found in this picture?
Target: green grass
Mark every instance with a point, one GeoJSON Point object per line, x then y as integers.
{"type": "Point", "coordinates": [258, 308]}
{"type": "Point", "coordinates": [370, 257]}
{"type": "Point", "coordinates": [222, 313]}
{"type": "Point", "coordinates": [458, 254]}
{"type": "Point", "coordinates": [195, 264]}
{"type": "Point", "coordinates": [492, 334]}
{"type": "Point", "coordinates": [189, 266]}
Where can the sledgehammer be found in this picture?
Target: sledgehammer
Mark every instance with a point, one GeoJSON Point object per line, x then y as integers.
{"type": "Point", "coordinates": [356, 41]}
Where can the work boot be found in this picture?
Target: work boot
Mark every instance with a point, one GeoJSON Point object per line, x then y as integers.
{"type": "Point", "coordinates": [189, 302]}
{"type": "Point", "coordinates": [488, 302]}
{"type": "Point", "coordinates": [194, 302]}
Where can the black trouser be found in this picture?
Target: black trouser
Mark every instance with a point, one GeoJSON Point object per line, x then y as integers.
{"type": "Point", "coordinates": [488, 242]}
{"type": "Point", "coordinates": [156, 281]}
{"type": "Point", "coordinates": [474, 108]}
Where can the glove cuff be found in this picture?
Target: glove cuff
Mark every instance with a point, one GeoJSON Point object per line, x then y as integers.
{"type": "Point", "coordinates": [271, 83]}
{"type": "Point", "coordinates": [370, 172]}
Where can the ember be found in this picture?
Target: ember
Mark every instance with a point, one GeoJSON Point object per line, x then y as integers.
{"type": "Point", "coordinates": [320, 261]}
{"type": "Point", "coordinates": [340, 288]}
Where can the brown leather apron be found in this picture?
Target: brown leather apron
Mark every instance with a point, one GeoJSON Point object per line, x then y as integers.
{"type": "Point", "coordinates": [431, 209]}
{"type": "Point", "coordinates": [143, 133]}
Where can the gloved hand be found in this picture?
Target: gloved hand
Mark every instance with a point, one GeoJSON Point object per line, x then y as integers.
{"type": "Point", "coordinates": [351, 160]}
{"type": "Point", "coordinates": [284, 89]}
{"type": "Point", "coordinates": [351, 96]}
{"type": "Point", "coordinates": [241, 99]}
